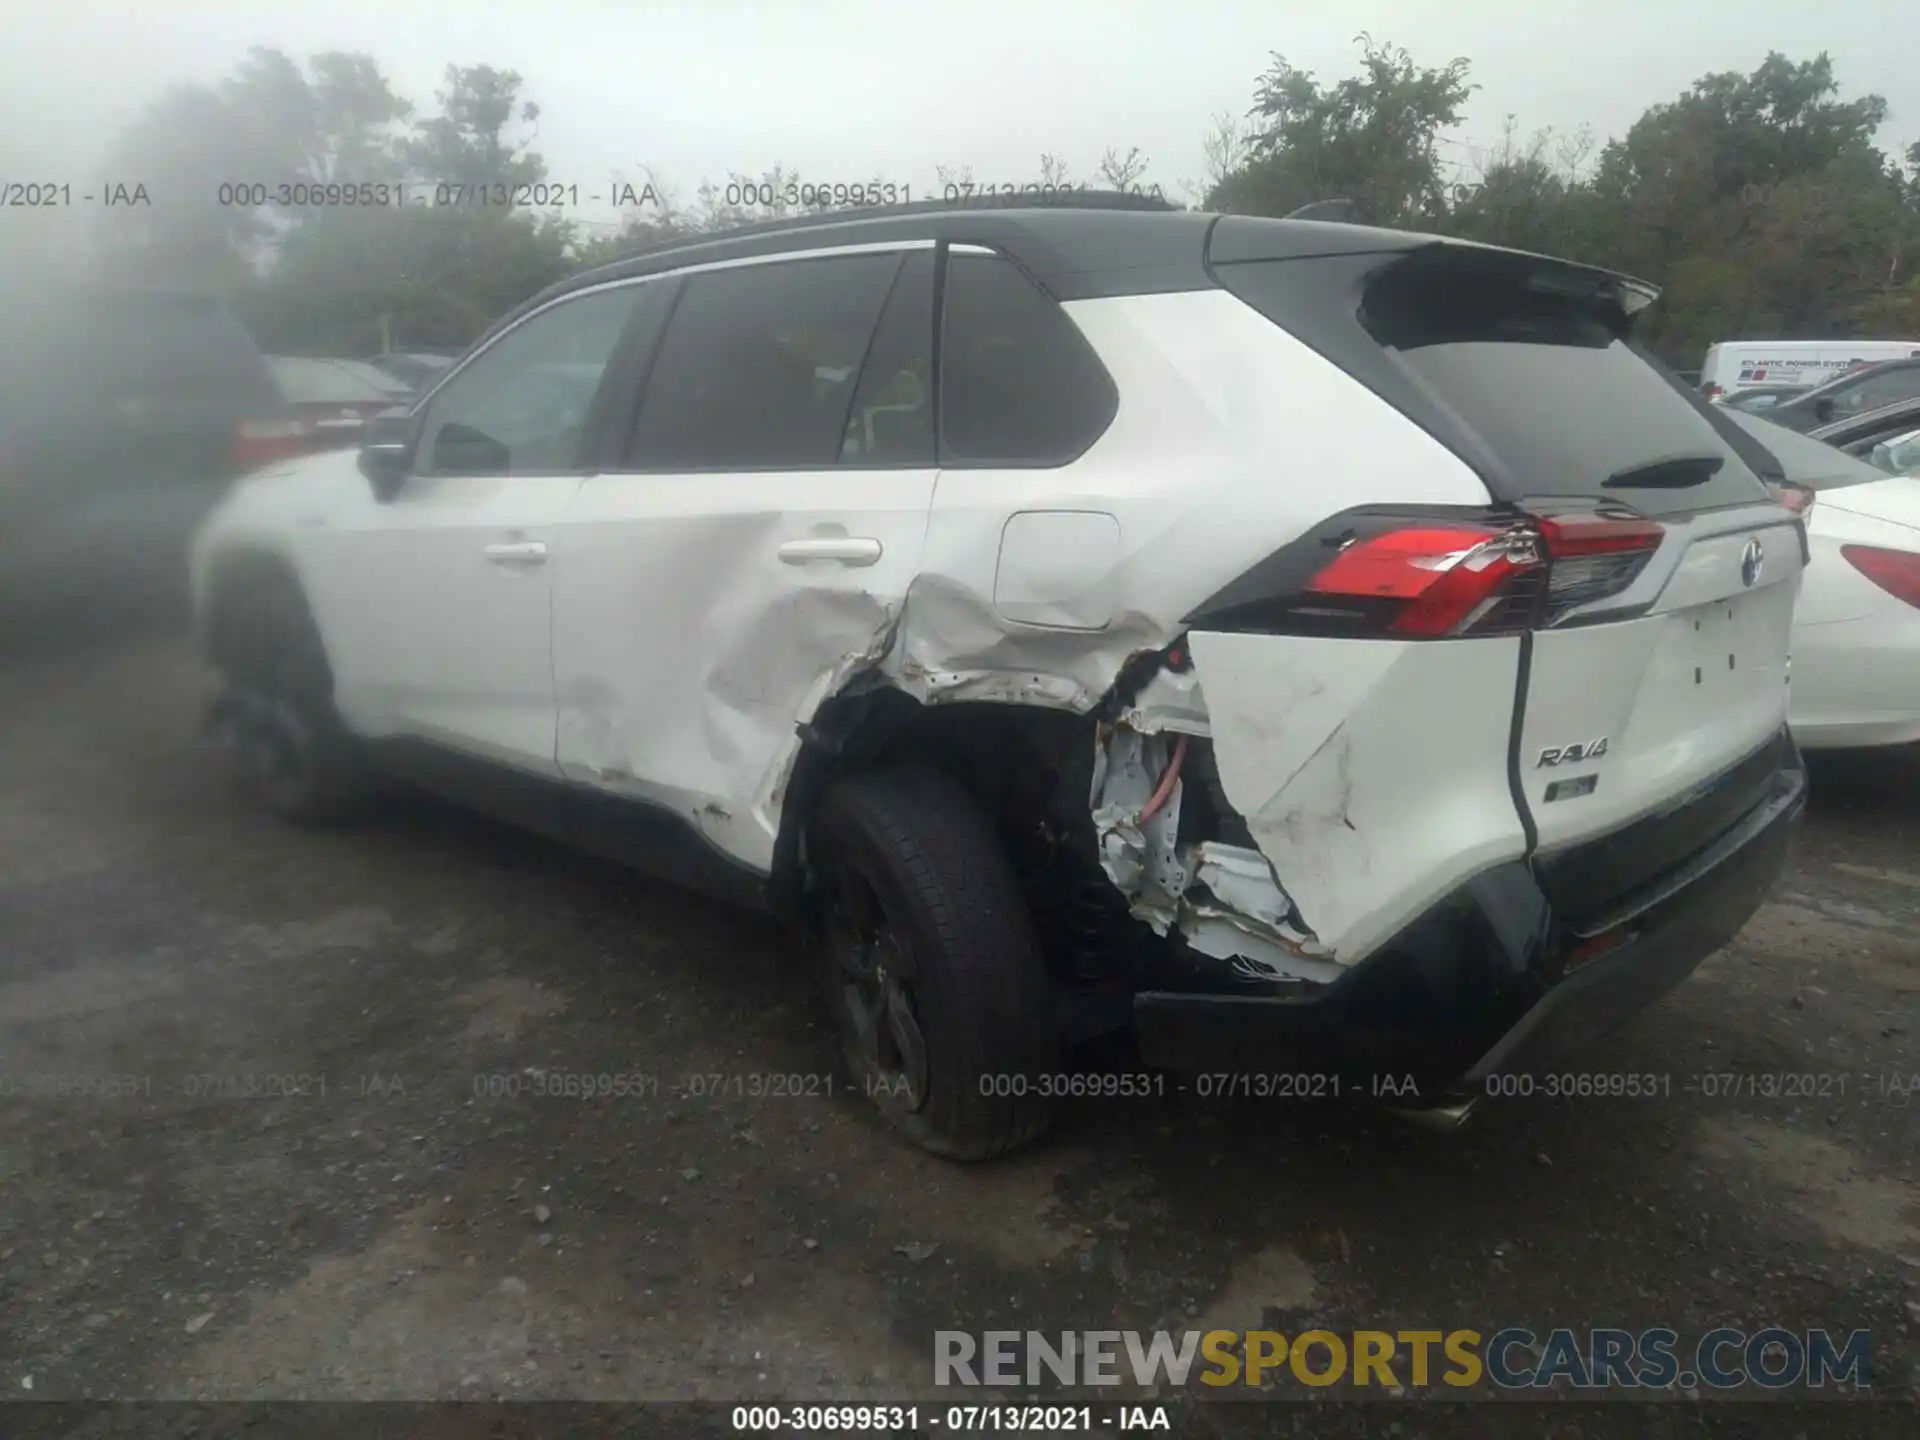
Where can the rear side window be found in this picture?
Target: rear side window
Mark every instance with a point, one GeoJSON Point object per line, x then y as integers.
{"type": "Point", "coordinates": [758, 367]}
{"type": "Point", "coordinates": [1019, 385]}
{"type": "Point", "coordinates": [1522, 366]}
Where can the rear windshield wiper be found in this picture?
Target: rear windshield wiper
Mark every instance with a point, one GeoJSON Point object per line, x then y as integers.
{"type": "Point", "coordinates": [1674, 473]}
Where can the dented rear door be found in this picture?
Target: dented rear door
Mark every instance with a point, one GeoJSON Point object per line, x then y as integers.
{"type": "Point", "coordinates": [757, 540]}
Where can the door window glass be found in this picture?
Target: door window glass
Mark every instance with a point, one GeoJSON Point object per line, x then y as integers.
{"type": "Point", "coordinates": [759, 366]}
{"type": "Point", "coordinates": [520, 406]}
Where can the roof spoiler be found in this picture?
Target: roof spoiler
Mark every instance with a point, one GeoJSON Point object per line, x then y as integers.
{"type": "Point", "coordinates": [1633, 293]}
{"type": "Point", "coordinates": [1340, 212]}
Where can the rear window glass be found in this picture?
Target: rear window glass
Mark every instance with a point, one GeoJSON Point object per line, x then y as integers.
{"type": "Point", "coordinates": [759, 364]}
{"type": "Point", "coordinates": [1525, 362]}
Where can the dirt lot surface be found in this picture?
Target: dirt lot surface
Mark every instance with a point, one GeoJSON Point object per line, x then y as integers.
{"type": "Point", "coordinates": [412, 1222]}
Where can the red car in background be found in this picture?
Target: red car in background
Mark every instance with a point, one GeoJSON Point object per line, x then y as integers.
{"type": "Point", "coordinates": [333, 399]}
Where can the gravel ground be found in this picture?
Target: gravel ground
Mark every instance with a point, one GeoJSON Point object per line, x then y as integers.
{"type": "Point", "coordinates": [404, 1225]}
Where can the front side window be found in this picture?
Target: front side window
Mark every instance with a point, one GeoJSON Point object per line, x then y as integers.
{"type": "Point", "coordinates": [759, 366]}
{"type": "Point", "coordinates": [1019, 383]}
{"type": "Point", "coordinates": [520, 406]}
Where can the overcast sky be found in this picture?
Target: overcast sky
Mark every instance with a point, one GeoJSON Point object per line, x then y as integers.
{"type": "Point", "coordinates": [855, 89]}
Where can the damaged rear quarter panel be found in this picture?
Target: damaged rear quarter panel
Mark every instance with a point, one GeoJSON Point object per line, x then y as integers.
{"type": "Point", "coordinates": [1373, 774]}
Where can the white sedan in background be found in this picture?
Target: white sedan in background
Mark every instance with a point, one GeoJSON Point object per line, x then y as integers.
{"type": "Point", "coordinates": [1856, 628]}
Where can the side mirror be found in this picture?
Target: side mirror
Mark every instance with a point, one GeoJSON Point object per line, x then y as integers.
{"type": "Point", "coordinates": [1823, 407]}
{"type": "Point", "coordinates": [386, 451]}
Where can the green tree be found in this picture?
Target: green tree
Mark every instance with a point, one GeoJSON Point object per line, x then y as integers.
{"type": "Point", "coordinates": [1528, 194]}
{"type": "Point", "coordinates": [350, 278]}
{"type": "Point", "coordinates": [467, 142]}
{"type": "Point", "coordinates": [1372, 138]}
{"type": "Point", "coordinates": [1760, 201]}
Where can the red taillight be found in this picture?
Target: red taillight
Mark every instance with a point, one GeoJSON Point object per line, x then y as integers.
{"type": "Point", "coordinates": [1444, 576]}
{"type": "Point", "coordinates": [1584, 534]}
{"type": "Point", "coordinates": [1714, 392]}
{"type": "Point", "coordinates": [1494, 571]}
{"type": "Point", "coordinates": [260, 442]}
{"type": "Point", "coordinates": [1797, 498]}
{"type": "Point", "coordinates": [1895, 571]}
{"type": "Point", "coordinates": [1593, 556]}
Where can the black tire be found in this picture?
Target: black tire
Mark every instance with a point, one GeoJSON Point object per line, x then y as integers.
{"type": "Point", "coordinates": [964, 953]}
{"type": "Point", "coordinates": [297, 757]}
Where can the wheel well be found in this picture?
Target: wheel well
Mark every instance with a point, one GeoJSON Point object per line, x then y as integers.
{"type": "Point", "coordinates": [1022, 764]}
{"type": "Point", "coordinates": [229, 627]}
{"type": "Point", "coordinates": [1031, 772]}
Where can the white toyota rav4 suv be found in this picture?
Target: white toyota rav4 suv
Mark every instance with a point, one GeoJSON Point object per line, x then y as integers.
{"type": "Point", "coordinates": [1319, 649]}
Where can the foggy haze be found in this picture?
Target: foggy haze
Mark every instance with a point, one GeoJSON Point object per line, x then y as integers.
{"type": "Point", "coordinates": [862, 89]}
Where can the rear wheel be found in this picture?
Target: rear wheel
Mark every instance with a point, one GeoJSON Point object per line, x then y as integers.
{"type": "Point", "coordinates": [294, 753]}
{"type": "Point", "coordinates": [931, 964]}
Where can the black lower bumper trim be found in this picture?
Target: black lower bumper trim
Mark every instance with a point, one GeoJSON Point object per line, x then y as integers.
{"type": "Point", "coordinates": [1492, 979]}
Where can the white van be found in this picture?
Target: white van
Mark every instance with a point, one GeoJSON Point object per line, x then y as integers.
{"type": "Point", "coordinates": [1738, 364]}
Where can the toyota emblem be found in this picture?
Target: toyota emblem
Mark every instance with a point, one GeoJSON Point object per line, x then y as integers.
{"type": "Point", "coordinates": [1752, 561]}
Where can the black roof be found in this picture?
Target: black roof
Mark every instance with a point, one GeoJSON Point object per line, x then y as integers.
{"type": "Point", "coordinates": [1078, 244]}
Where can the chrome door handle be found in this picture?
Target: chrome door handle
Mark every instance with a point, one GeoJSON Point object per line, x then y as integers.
{"type": "Point", "coordinates": [517, 552]}
{"type": "Point", "coordinates": [848, 549]}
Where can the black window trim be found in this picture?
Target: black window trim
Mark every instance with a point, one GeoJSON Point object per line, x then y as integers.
{"type": "Point", "coordinates": [627, 419]}
{"type": "Point", "coordinates": [946, 459]}
{"type": "Point", "coordinates": [932, 462]}
{"type": "Point", "coordinates": [616, 407]}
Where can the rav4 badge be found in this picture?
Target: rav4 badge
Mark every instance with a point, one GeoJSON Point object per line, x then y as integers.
{"type": "Point", "coordinates": [1571, 754]}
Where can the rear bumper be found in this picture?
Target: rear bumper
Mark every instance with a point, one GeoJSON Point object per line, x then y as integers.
{"type": "Point", "coordinates": [1492, 979]}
